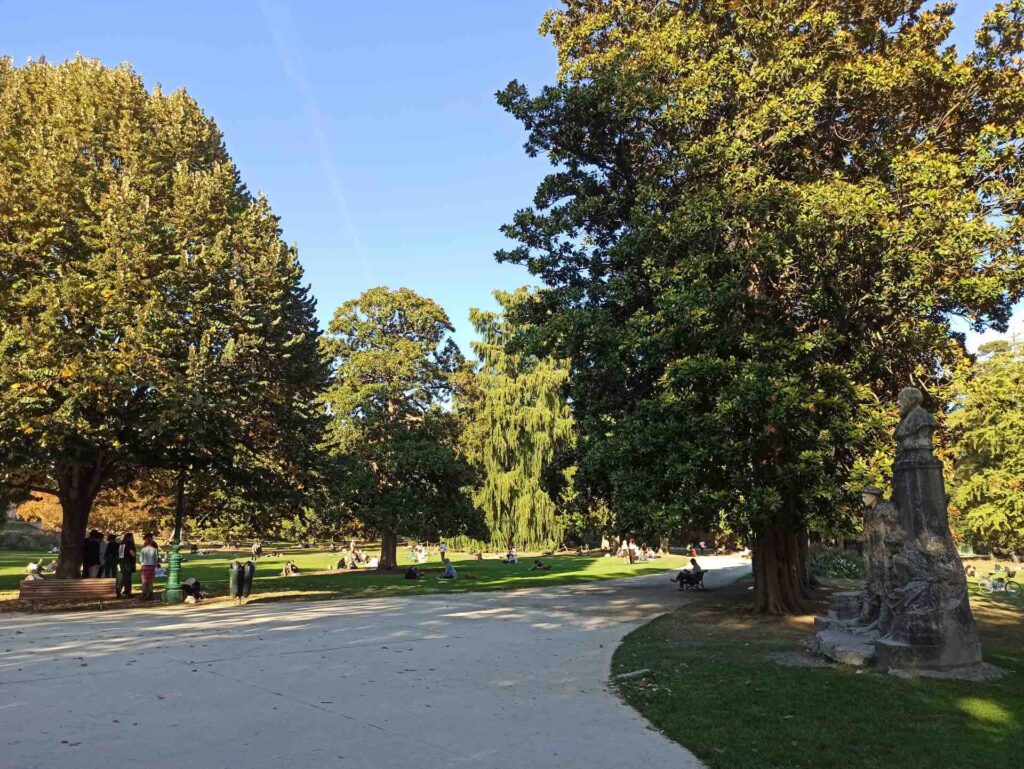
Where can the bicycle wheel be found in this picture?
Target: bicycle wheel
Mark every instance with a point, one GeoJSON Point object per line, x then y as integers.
{"type": "Point", "coordinates": [985, 586]}
{"type": "Point", "coordinates": [1013, 589]}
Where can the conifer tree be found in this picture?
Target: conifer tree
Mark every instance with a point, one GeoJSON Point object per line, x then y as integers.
{"type": "Point", "coordinates": [987, 429]}
{"type": "Point", "coordinates": [395, 368]}
{"type": "Point", "coordinates": [523, 422]}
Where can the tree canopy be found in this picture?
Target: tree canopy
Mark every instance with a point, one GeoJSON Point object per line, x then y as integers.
{"type": "Point", "coordinates": [761, 220]}
{"type": "Point", "coordinates": [521, 424]}
{"type": "Point", "coordinates": [395, 367]}
{"type": "Point", "coordinates": [987, 429]}
{"type": "Point", "coordinates": [150, 314]}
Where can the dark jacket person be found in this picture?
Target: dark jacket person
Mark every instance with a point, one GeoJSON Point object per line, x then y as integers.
{"type": "Point", "coordinates": [91, 555]}
{"type": "Point", "coordinates": [126, 559]}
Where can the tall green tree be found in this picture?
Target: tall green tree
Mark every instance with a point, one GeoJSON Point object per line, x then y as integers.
{"type": "Point", "coordinates": [395, 366]}
{"type": "Point", "coordinates": [150, 315]}
{"type": "Point", "coordinates": [522, 423]}
{"type": "Point", "coordinates": [987, 430]}
{"type": "Point", "coordinates": [762, 219]}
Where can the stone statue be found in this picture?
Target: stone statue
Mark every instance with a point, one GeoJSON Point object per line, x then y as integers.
{"type": "Point", "coordinates": [881, 519]}
{"type": "Point", "coordinates": [914, 612]}
{"type": "Point", "coordinates": [914, 432]}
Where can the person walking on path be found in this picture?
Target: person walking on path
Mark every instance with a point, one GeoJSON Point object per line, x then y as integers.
{"type": "Point", "coordinates": [126, 559]}
{"type": "Point", "coordinates": [149, 559]}
{"type": "Point", "coordinates": [110, 557]}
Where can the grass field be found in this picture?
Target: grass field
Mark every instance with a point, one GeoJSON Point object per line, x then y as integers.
{"type": "Point", "coordinates": [212, 572]}
{"type": "Point", "coordinates": [716, 687]}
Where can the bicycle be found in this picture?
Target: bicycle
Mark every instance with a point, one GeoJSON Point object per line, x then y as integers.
{"type": "Point", "coordinates": [993, 584]}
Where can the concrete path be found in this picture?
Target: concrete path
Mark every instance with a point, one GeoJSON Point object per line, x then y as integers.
{"type": "Point", "coordinates": [482, 680]}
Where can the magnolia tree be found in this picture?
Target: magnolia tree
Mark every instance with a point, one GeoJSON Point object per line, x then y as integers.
{"type": "Point", "coordinates": [762, 218]}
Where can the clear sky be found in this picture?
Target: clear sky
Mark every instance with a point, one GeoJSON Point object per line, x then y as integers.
{"type": "Point", "coordinates": [372, 127]}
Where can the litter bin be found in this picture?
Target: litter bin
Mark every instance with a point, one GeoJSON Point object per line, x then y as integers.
{"type": "Point", "coordinates": [235, 580]}
{"type": "Point", "coordinates": [248, 572]}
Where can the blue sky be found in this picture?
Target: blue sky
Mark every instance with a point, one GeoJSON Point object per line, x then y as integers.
{"type": "Point", "coordinates": [372, 127]}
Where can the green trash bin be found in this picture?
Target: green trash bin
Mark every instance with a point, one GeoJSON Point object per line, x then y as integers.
{"type": "Point", "coordinates": [235, 580]}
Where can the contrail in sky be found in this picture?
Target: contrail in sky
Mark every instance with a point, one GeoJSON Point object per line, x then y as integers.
{"type": "Point", "coordinates": [282, 30]}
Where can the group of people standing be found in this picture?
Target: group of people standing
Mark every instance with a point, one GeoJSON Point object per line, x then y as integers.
{"type": "Point", "coordinates": [111, 557]}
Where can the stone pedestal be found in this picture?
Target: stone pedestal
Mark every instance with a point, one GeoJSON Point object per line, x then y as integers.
{"type": "Point", "coordinates": [919, 494]}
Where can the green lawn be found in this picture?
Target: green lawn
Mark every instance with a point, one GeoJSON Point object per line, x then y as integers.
{"type": "Point", "coordinates": [715, 688]}
{"type": "Point", "coordinates": [212, 572]}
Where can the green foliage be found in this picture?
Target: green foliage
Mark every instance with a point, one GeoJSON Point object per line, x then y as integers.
{"type": "Point", "coordinates": [395, 372]}
{"type": "Point", "coordinates": [520, 424]}
{"type": "Point", "coordinates": [762, 218]}
{"type": "Point", "coordinates": [150, 314]}
{"type": "Point", "coordinates": [833, 562]}
{"type": "Point", "coordinates": [987, 428]}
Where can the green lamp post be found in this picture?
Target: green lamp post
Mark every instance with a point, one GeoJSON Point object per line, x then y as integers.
{"type": "Point", "coordinates": [172, 592]}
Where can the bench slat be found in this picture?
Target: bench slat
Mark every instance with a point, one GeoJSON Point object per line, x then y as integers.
{"type": "Point", "coordinates": [42, 589]}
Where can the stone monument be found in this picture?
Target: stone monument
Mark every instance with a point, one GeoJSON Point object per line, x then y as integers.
{"type": "Point", "coordinates": [914, 612]}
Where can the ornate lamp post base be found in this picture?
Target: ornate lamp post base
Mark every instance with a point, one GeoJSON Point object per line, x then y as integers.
{"type": "Point", "coordinates": [172, 593]}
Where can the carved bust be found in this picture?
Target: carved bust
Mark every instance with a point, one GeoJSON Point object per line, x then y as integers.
{"type": "Point", "coordinates": [916, 426]}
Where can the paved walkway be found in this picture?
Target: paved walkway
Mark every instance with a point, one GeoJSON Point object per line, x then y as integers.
{"type": "Point", "coordinates": [475, 679]}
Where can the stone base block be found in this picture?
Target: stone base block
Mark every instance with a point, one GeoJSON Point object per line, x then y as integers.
{"type": "Point", "coordinates": [845, 605]}
{"type": "Point", "coordinates": [846, 648]}
{"type": "Point", "coordinates": [896, 655]}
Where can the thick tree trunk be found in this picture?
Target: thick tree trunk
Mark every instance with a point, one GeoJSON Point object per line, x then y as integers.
{"type": "Point", "coordinates": [388, 550]}
{"type": "Point", "coordinates": [78, 483]}
{"type": "Point", "coordinates": [778, 572]}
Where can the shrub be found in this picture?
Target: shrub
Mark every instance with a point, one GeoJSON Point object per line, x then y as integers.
{"type": "Point", "coordinates": [837, 563]}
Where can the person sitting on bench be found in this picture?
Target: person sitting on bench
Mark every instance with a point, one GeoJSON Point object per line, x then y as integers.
{"type": "Point", "coordinates": [691, 576]}
{"type": "Point", "coordinates": [32, 570]}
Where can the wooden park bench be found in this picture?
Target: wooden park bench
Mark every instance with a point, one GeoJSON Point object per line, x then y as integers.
{"type": "Point", "coordinates": [61, 590]}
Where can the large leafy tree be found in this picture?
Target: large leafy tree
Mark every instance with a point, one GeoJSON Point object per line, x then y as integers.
{"type": "Point", "coordinates": [150, 315]}
{"type": "Point", "coordinates": [521, 425]}
{"type": "Point", "coordinates": [987, 430]}
{"type": "Point", "coordinates": [762, 219]}
{"type": "Point", "coordinates": [395, 369]}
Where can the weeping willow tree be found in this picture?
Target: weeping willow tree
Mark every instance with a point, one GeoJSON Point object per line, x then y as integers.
{"type": "Point", "coordinates": [520, 424]}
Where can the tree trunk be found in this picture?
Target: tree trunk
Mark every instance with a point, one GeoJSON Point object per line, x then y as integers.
{"type": "Point", "coordinates": [78, 483]}
{"type": "Point", "coordinates": [388, 550]}
{"type": "Point", "coordinates": [778, 572]}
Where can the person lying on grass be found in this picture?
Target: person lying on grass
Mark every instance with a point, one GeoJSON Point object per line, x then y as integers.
{"type": "Point", "coordinates": [413, 572]}
{"type": "Point", "coordinates": [540, 566]}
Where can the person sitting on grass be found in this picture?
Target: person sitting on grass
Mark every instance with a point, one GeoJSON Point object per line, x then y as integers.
{"type": "Point", "coordinates": [290, 570]}
{"type": "Point", "coordinates": [540, 566]}
{"type": "Point", "coordinates": [413, 572]}
{"type": "Point", "coordinates": [449, 571]}
{"type": "Point", "coordinates": [511, 556]}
